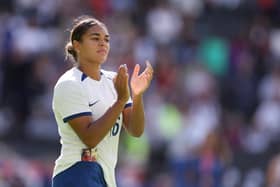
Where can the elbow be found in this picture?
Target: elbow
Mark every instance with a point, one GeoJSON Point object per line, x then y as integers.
{"type": "Point", "coordinates": [89, 142]}
{"type": "Point", "coordinates": [137, 134]}
{"type": "Point", "coordinates": [90, 145]}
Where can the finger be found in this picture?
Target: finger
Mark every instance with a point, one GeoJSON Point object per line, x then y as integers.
{"type": "Point", "coordinates": [148, 63]}
{"type": "Point", "coordinates": [123, 75]}
{"type": "Point", "coordinates": [125, 71]}
{"type": "Point", "coordinates": [119, 74]}
{"type": "Point", "coordinates": [149, 72]}
{"type": "Point", "coordinates": [150, 77]}
{"type": "Point", "coordinates": [136, 70]}
{"type": "Point", "coordinates": [125, 68]}
{"type": "Point", "coordinates": [120, 68]}
{"type": "Point", "coordinates": [149, 66]}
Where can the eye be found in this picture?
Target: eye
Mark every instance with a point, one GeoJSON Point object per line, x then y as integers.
{"type": "Point", "coordinates": [95, 38]}
{"type": "Point", "coordinates": [107, 40]}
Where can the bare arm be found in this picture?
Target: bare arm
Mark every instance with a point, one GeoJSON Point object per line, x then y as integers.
{"type": "Point", "coordinates": [92, 132]}
{"type": "Point", "coordinates": [134, 117]}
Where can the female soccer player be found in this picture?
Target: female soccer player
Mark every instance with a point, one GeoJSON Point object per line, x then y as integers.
{"type": "Point", "coordinates": [91, 105]}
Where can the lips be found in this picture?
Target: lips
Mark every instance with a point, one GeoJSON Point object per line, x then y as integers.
{"type": "Point", "coordinates": [102, 51]}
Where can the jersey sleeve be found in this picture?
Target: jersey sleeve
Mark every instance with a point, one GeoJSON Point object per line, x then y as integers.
{"type": "Point", "coordinates": [70, 101]}
{"type": "Point", "coordinates": [128, 103]}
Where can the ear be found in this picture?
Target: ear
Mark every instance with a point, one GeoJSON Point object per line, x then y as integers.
{"type": "Point", "coordinates": [76, 46]}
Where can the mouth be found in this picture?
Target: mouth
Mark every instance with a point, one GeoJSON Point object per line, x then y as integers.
{"type": "Point", "coordinates": [102, 51]}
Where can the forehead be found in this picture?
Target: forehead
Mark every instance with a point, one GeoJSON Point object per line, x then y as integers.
{"type": "Point", "coordinates": [98, 29]}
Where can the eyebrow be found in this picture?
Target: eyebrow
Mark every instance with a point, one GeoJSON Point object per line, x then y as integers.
{"type": "Point", "coordinates": [98, 34]}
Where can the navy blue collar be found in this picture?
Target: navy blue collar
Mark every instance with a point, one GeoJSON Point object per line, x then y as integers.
{"type": "Point", "coordinates": [84, 76]}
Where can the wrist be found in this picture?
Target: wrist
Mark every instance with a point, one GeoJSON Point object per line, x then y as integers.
{"type": "Point", "coordinates": [137, 96]}
{"type": "Point", "coordinates": [121, 102]}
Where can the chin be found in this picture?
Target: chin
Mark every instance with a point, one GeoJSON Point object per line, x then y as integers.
{"type": "Point", "coordinates": [103, 59]}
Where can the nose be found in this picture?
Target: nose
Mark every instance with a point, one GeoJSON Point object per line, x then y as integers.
{"type": "Point", "coordinates": [102, 42]}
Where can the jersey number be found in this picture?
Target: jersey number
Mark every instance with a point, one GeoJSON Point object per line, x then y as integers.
{"type": "Point", "coordinates": [115, 129]}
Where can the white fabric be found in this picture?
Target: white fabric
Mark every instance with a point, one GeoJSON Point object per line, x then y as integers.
{"type": "Point", "coordinates": [76, 95]}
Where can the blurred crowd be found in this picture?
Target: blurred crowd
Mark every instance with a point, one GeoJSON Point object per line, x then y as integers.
{"type": "Point", "coordinates": [213, 110]}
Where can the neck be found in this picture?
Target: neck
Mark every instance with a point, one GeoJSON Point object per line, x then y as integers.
{"type": "Point", "coordinates": [90, 69]}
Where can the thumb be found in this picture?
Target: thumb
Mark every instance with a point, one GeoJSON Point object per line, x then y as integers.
{"type": "Point", "coordinates": [136, 70]}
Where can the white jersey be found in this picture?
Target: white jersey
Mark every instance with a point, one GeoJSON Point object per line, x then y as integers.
{"type": "Point", "coordinates": [76, 95]}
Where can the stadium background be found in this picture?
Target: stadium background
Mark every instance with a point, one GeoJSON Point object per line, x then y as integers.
{"type": "Point", "coordinates": [213, 109]}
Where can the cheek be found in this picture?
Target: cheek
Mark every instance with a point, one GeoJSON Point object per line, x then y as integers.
{"type": "Point", "coordinates": [91, 48]}
{"type": "Point", "coordinates": [109, 47]}
{"type": "Point", "coordinates": [88, 46]}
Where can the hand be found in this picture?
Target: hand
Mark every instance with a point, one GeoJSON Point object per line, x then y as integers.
{"type": "Point", "coordinates": [121, 84]}
{"type": "Point", "coordinates": [140, 83]}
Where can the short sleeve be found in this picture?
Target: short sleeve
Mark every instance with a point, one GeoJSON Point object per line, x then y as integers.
{"type": "Point", "coordinates": [70, 101]}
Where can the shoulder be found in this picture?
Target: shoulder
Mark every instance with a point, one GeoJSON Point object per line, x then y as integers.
{"type": "Point", "coordinates": [70, 80]}
{"type": "Point", "coordinates": [109, 74]}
